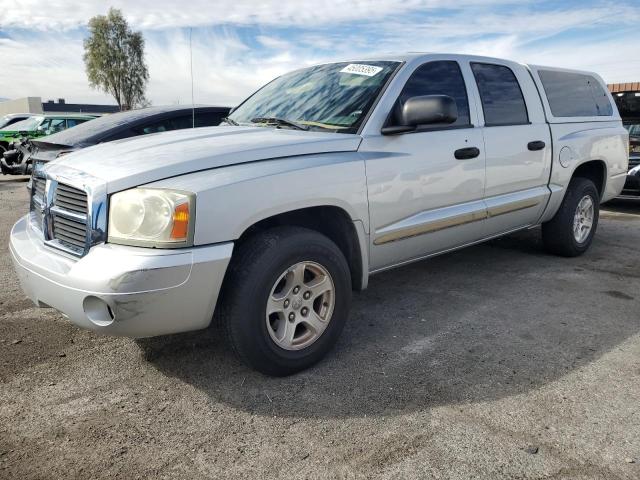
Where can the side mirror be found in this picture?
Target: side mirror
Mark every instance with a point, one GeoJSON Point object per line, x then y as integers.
{"type": "Point", "coordinates": [423, 110]}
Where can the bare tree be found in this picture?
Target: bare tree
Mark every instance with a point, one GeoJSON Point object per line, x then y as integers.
{"type": "Point", "coordinates": [114, 59]}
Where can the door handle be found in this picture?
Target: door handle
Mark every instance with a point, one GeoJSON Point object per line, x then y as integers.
{"type": "Point", "coordinates": [536, 145]}
{"type": "Point", "coordinates": [466, 153]}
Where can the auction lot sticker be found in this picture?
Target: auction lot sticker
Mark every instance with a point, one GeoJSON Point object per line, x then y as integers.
{"type": "Point", "coordinates": [359, 69]}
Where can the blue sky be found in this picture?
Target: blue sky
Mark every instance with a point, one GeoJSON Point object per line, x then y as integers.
{"type": "Point", "coordinates": [239, 45]}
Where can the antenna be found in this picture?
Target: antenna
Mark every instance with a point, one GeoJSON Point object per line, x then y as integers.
{"type": "Point", "coordinates": [193, 105]}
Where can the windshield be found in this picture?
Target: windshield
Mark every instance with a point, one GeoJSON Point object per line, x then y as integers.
{"type": "Point", "coordinates": [334, 97]}
{"type": "Point", "coordinates": [4, 121]}
{"type": "Point", "coordinates": [8, 120]}
{"type": "Point", "coordinates": [26, 125]}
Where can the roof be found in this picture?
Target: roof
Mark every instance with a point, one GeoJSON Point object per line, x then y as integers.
{"type": "Point", "coordinates": [147, 111]}
{"type": "Point", "coordinates": [64, 115]}
{"type": "Point", "coordinates": [418, 57]}
{"type": "Point", "coordinates": [12, 115]}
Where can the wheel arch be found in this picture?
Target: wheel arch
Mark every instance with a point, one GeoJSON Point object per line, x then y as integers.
{"type": "Point", "coordinates": [332, 221]}
{"type": "Point", "coordinates": [594, 170]}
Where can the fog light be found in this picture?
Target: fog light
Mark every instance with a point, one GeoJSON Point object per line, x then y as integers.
{"type": "Point", "coordinates": [98, 311]}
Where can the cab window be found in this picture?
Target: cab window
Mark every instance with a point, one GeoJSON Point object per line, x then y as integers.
{"type": "Point", "coordinates": [500, 94]}
{"type": "Point", "coordinates": [439, 78]}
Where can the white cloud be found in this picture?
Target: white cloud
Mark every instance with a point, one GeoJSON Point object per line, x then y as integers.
{"type": "Point", "coordinates": [160, 14]}
{"type": "Point", "coordinates": [273, 42]}
{"type": "Point", "coordinates": [40, 59]}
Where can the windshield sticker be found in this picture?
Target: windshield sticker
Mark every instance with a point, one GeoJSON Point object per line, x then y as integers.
{"type": "Point", "coordinates": [359, 69]}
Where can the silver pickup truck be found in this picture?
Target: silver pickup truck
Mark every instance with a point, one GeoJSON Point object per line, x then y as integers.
{"type": "Point", "coordinates": [320, 179]}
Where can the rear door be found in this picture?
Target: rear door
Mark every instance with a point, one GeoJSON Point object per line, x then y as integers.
{"type": "Point", "coordinates": [517, 143]}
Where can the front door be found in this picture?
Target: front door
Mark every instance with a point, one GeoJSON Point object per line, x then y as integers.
{"type": "Point", "coordinates": [422, 199]}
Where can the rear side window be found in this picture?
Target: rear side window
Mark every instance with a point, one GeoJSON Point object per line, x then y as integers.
{"type": "Point", "coordinates": [56, 125]}
{"type": "Point", "coordinates": [501, 96]}
{"type": "Point", "coordinates": [439, 78]}
{"type": "Point", "coordinates": [174, 123]}
{"type": "Point", "coordinates": [209, 119]}
{"type": "Point", "coordinates": [575, 94]}
{"type": "Point", "coordinates": [72, 122]}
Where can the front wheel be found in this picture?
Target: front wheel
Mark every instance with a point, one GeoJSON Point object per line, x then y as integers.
{"type": "Point", "coordinates": [570, 232]}
{"type": "Point", "coordinates": [285, 299]}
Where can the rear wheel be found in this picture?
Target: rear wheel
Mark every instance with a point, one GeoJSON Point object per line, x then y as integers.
{"type": "Point", "coordinates": [570, 232]}
{"type": "Point", "coordinates": [285, 300]}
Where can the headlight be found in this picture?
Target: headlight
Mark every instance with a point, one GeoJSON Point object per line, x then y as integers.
{"type": "Point", "coordinates": [152, 217]}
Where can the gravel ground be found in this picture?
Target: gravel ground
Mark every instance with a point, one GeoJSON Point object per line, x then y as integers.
{"type": "Point", "coordinates": [498, 361]}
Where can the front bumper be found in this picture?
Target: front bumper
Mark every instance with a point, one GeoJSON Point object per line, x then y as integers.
{"type": "Point", "coordinates": [120, 290]}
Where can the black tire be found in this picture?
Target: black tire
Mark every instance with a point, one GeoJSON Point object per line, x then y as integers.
{"type": "Point", "coordinates": [557, 234]}
{"type": "Point", "coordinates": [257, 264]}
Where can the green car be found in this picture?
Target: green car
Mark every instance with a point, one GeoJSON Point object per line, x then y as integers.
{"type": "Point", "coordinates": [39, 126]}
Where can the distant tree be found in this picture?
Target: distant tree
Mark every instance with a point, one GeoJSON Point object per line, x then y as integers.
{"type": "Point", "coordinates": [114, 59]}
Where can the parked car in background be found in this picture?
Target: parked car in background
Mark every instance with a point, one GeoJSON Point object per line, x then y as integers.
{"type": "Point", "coordinates": [39, 126]}
{"type": "Point", "coordinates": [121, 125]}
{"type": "Point", "coordinates": [632, 185]}
{"type": "Point", "coordinates": [13, 118]}
{"type": "Point", "coordinates": [325, 176]}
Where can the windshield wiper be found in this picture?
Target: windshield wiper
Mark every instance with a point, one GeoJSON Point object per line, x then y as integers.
{"type": "Point", "coordinates": [230, 121]}
{"type": "Point", "coordinates": [283, 122]}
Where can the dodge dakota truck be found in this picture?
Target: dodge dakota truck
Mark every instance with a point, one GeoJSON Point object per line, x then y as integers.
{"type": "Point", "coordinates": [321, 178]}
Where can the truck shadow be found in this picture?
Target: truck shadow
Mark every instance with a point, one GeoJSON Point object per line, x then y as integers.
{"type": "Point", "coordinates": [487, 322]}
{"type": "Point", "coordinates": [623, 205]}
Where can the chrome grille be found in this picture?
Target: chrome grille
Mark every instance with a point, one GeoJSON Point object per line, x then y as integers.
{"type": "Point", "coordinates": [71, 233]}
{"type": "Point", "coordinates": [38, 201]}
{"type": "Point", "coordinates": [38, 185]}
{"type": "Point", "coordinates": [69, 208]}
{"type": "Point", "coordinates": [60, 212]}
{"type": "Point", "coordinates": [70, 198]}
{"type": "Point", "coordinates": [69, 217]}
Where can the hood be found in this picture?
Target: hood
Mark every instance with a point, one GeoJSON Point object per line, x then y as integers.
{"type": "Point", "coordinates": [127, 163]}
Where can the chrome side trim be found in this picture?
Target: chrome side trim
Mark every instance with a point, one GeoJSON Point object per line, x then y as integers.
{"type": "Point", "coordinates": [512, 207]}
{"type": "Point", "coordinates": [448, 250]}
{"type": "Point", "coordinates": [432, 221]}
{"type": "Point", "coordinates": [513, 202]}
{"type": "Point", "coordinates": [448, 217]}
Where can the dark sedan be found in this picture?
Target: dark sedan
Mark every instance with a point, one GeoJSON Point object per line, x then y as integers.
{"type": "Point", "coordinates": [112, 127]}
{"type": "Point", "coordinates": [632, 185]}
